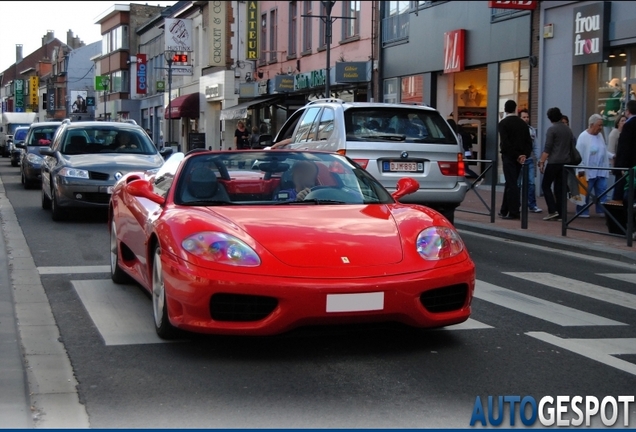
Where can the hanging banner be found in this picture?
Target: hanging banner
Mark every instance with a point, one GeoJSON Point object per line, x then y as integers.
{"type": "Point", "coordinates": [78, 101]}
{"type": "Point", "coordinates": [454, 44]}
{"type": "Point", "coordinates": [102, 82]}
{"type": "Point", "coordinates": [252, 31]}
{"type": "Point", "coordinates": [178, 34]}
{"type": "Point", "coordinates": [218, 20]}
{"type": "Point", "coordinates": [34, 85]}
{"type": "Point", "coordinates": [142, 76]}
{"type": "Point", "coordinates": [19, 96]}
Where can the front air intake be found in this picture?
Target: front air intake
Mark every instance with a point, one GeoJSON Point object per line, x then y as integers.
{"type": "Point", "coordinates": [445, 299]}
{"type": "Point", "coordinates": [241, 307]}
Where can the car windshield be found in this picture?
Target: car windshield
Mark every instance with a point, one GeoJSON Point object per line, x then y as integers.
{"type": "Point", "coordinates": [106, 139]}
{"type": "Point", "coordinates": [20, 134]}
{"type": "Point", "coordinates": [397, 124]}
{"type": "Point", "coordinates": [275, 178]}
{"type": "Point", "coordinates": [42, 135]}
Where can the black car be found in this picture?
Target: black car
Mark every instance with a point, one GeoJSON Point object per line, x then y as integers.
{"type": "Point", "coordinates": [15, 151]}
{"type": "Point", "coordinates": [86, 159]}
{"type": "Point", "coordinates": [40, 135]}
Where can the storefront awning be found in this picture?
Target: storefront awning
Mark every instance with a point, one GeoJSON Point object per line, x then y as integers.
{"type": "Point", "coordinates": [239, 111]}
{"type": "Point", "coordinates": [184, 106]}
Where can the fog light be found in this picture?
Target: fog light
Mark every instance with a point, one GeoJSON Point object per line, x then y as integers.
{"type": "Point", "coordinates": [79, 196]}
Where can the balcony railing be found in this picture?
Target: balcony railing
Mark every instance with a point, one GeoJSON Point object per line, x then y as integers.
{"type": "Point", "coordinates": [395, 28]}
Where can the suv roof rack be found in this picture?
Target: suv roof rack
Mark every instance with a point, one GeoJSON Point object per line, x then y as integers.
{"type": "Point", "coordinates": [66, 121]}
{"type": "Point", "coordinates": [331, 100]}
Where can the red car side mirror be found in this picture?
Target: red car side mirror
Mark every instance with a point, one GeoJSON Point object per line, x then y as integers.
{"type": "Point", "coordinates": [143, 189]}
{"type": "Point", "coordinates": [405, 186]}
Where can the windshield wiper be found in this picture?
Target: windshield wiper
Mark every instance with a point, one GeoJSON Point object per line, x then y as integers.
{"type": "Point", "coordinates": [311, 201]}
{"type": "Point", "coordinates": [207, 203]}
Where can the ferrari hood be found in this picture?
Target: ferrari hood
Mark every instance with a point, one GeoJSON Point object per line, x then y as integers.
{"type": "Point", "coordinates": [322, 235]}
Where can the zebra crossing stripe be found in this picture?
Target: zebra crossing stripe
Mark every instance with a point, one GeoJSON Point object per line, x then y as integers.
{"type": "Point", "coordinates": [625, 277]}
{"type": "Point", "coordinates": [600, 350]}
{"type": "Point", "coordinates": [469, 324]}
{"type": "Point", "coordinates": [586, 289]}
{"type": "Point", "coordinates": [539, 308]}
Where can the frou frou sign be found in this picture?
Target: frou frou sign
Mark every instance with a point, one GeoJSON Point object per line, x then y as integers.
{"type": "Point", "coordinates": [590, 33]}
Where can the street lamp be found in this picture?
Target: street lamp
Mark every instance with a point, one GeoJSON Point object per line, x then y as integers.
{"type": "Point", "coordinates": [169, 56]}
{"type": "Point", "coordinates": [328, 22]}
{"type": "Point", "coordinates": [105, 84]}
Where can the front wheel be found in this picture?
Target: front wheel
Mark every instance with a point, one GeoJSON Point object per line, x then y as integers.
{"type": "Point", "coordinates": [57, 213]}
{"type": "Point", "coordinates": [46, 201]}
{"type": "Point", "coordinates": [118, 275]}
{"type": "Point", "coordinates": [164, 329]}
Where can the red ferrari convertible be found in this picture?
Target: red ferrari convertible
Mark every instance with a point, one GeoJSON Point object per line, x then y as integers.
{"type": "Point", "coordinates": [260, 242]}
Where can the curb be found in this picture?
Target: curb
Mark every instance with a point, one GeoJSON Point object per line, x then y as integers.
{"type": "Point", "coordinates": [561, 243]}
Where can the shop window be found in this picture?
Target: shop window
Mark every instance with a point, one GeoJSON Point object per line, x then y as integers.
{"type": "Point", "coordinates": [514, 82]}
{"type": "Point", "coordinates": [395, 24]}
{"type": "Point", "coordinates": [390, 90]}
{"type": "Point", "coordinates": [607, 90]}
{"type": "Point", "coordinates": [412, 90]}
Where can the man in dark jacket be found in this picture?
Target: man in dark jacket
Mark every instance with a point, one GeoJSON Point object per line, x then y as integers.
{"type": "Point", "coordinates": [626, 148]}
{"type": "Point", "coordinates": [516, 146]}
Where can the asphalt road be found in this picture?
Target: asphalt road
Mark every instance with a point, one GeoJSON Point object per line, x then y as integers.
{"type": "Point", "coordinates": [371, 376]}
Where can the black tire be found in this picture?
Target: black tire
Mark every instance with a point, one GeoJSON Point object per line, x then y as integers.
{"type": "Point", "coordinates": [118, 275]}
{"type": "Point", "coordinates": [164, 329]}
{"type": "Point", "coordinates": [46, 201]}
{"type": "Point", "coordinates": [14, 163]}
{"type": "Point", "coordinates": [57, 214]}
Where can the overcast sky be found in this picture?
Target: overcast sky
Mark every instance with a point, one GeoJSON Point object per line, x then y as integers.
{"type": "Point", "coordinates": [25, 22]}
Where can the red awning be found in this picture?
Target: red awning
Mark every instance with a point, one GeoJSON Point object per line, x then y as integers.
{"type": "Point", "coordinates": [184, 106]}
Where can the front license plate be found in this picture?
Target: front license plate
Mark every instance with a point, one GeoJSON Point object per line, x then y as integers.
{"type": "Point", "coordinates": [403, 166]}
{"type": "Point", "coordinates": [106, 189]}
{"type": "Point", "coordinates": [355, 302]}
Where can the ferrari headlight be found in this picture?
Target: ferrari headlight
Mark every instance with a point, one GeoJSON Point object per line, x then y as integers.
{"type": "Point", "coordinates": [221, 248]}
{"type": "Point", "coordinates": [72, 172]}
{"type": "Point", "coordinates": [436, 243]}
{"type": "Point", "coordinates": [34, 159]}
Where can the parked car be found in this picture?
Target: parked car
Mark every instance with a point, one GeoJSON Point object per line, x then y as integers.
{"type": "Point", "coordinates": [39, 135]}
{"type": "Point", "coordinates": [14, 142]}
{"type": "Point", "coordinates": [389, 141]}
{"type": "Point", "coordinates": [85, 160]}
{"type": "Point", "coordinates": [226, 243]}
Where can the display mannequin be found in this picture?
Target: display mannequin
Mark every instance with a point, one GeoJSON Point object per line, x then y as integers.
{"type": "Point", "coordinates": [471, 97]}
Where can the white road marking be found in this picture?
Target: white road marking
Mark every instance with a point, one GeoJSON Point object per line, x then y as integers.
{"type": "Point", "coordinates": [600, 350]}
{"type": "Point", "coordinates": [121, 313]}
{"type": "Point", "coordinates": [586, 289]}
{"type": "Point", "coordinates": [539, 308]}
{"type": "Point", "coordinates": [73, 270]}
{"type": "Point", "coordinates": [625, 277]}
{"type": "Point", "coordinates": [469, 324]}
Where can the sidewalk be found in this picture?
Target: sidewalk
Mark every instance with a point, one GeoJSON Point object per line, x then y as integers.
{"type": "Point", "coordinates": [543, 233]}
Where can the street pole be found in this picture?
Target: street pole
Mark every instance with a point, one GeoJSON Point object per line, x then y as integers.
{"type": "Point", "coordinates": [105, 83]}
{"type": "Point", "coordinates": [328, 23]}
{"type": "Point", "coordinates": [169, 59]}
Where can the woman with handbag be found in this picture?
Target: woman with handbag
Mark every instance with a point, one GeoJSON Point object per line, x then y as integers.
{"type": "Point", "coordinates": [591, 146]}
{"type": "Point", "coordinates": [559, 150]}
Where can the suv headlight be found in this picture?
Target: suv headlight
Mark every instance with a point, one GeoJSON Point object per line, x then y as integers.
{"type": "Point", "coordinates": [74, 173]}
{"type": "Point", "coordinates": [34, 159]}
{"type": "Point", "coordinates": [221, 248]}
{"type": "Point", "coordinates": [437, 243]}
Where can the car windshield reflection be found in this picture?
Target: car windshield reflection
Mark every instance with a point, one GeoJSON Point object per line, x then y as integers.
{"type": "Point", "coordinates": [107, 139]}
{"type": "Point", "coordinates": [276, 178]}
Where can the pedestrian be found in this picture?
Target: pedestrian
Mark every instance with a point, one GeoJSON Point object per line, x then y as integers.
{"type": "Point", "coordinates": [515, 148]}
{"type": "Point", "coordinates": [241, 136]}
{"type": "Point", "coordinates": [255, 138]}
{"type": "Point", "coordinates": [565, 119]}
{"type": "Point", "coordinates": [558, 144]}
{"type": "Point", "coordinates": [612, 139]}
{"type": "Point", "coordinates": [531, 162]}
{"type": "Point", "coordinates": [626, 149]}
{"type": "Point", "coordinates": [591, 145]}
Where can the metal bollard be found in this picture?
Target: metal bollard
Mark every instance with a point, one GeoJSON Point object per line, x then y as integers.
{"type": "Point", "coordinates": [630, 206]}
{"type": "Point", "coordinates": [524, 196]}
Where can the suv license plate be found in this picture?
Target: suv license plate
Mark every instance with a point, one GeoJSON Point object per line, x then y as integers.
{"type": "Point", "coordinates": [403, 166]}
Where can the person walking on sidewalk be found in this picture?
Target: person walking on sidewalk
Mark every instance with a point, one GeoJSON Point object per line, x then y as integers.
{"type": "Point", "coordinates": [558, 142]}
{"type": "Point", "coordinates": [530, 162]}
{"type": "Point", "coordinates": [594, 153]}
{"type": "Point", "coordinates": [515, 147]}
{"type": "Point", "coordinates": [626, 149]}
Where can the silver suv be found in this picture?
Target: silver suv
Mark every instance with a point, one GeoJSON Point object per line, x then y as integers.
{"type": "Point", "coordinates": [390, 141]}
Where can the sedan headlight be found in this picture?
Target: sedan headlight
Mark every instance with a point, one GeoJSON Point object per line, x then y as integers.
{"type": "Point", "coordinates": [221, 248]}
{"type": "Point", "coordinates": [34, 159]}
{"type": "Point", "coordinates": [72, 172]}
{"type": "Point", "coordinates": [436, 243]}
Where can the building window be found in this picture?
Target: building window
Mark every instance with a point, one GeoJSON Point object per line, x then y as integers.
{"type": "Point", "coordinates": [119, 82]}
{"type": "Point", "coordinates": [351, 27]}
{"type": "Point", "coordinates": [390, 90]}
{"type": "Point", "coordinates": [412, 89]}
{"type": "Point", "coordinates": [291, 43]}
{"type": "Point", "coordinates": [273, 30]}
{"type": "Point", "coordinates": [307, 27]}
{"type": "Point", "coordinates": [263, 41]}
{"type": "Point", "coordinates": [115, 39]}
{"type": "Point", "coordinates": [322, 36]}
{"type": "Point", "coordinates": [395, 24]}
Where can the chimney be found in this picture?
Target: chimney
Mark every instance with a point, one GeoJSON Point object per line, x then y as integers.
{"type": "Point", "coordinates": [18, 53]}
{"type": "Point", "coordinates": [69, 38]}
{"type": "Point", "coordinates": [50, 35]}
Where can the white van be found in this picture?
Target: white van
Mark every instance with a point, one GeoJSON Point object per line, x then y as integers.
{"type": "Point", "coordinates": [11, 121]}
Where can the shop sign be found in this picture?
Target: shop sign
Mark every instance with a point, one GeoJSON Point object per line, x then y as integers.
{"type": "Point", "coordinates": [248, 90]}
{"type": "Point", "coordinates": [214, 91]}
{"type": "Point", "coordinates": [307, 80]}
{"type": "Point", "coordinates": [262, 87]}
{"type": "Point", "coordinates": [251, 52]}
{"type": "Point", "coordinates": [161, 86]}
{"type": "Point", "coordinates": [283, 84]}
{"type": "Point", "coordinates": [142, 81]}
{"type": "Point", "coordinates": [178, 34]}
{"type": "Point", "coordinates": [454, 49]}
{"type": "Point", "coordinates": [353, 72]}
{"type": "Point", "coordinates": [34, 85]}
{"type": "Point", "coordinates": [523, 5]}
{"type": "Point", "coordinates": [217, 32]}
{"type": "Point", "coordinates": [102, 82]}
{"type": "Point", "coordinates": [590, 33]}
{"type": "Point", "coordinates": [182, 70]}
{"type": "Point", "coordinates": [19, 95]}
